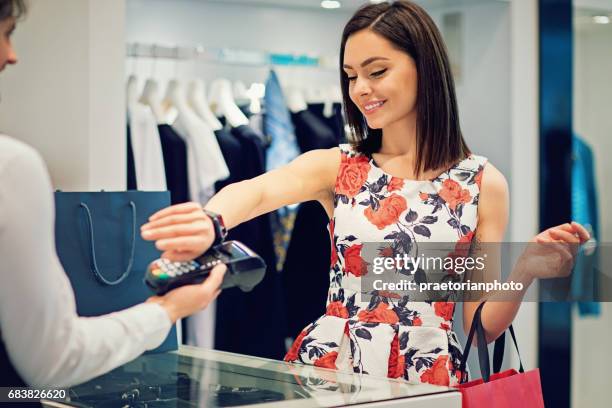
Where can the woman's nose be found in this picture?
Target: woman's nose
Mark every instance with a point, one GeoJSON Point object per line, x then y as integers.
{"type": "Point", "coordinates": [12, 56]}
{"type": "Point", "coordinates": [362, 87]}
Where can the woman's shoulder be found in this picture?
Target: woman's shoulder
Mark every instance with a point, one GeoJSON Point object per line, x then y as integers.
{"type": "Point", "coordinates": [15, 153]}
{"type": "Point", "coordinates": [473, 162]}
{"type": "Point", "coordinates": [349, 150]}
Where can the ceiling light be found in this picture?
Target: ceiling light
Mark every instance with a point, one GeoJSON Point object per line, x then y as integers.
{"type": "Point", "coordinates": [330, 4]}
{"type": "Point", "coordinates": [377, 1]}
{"type": "Point", "coordinates": [601, 19]}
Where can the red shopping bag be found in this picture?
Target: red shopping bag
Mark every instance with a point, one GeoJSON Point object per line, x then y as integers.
{"type": "Point", "coordinates": [505, 389]}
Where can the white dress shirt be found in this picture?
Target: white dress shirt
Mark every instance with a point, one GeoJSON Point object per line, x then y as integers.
{"type": "Point", "coordinates": [146, 146]}
{"type": "Point", "coordinates": [47, 342]}
{"type": "Point", "coordinates": [205, 162]}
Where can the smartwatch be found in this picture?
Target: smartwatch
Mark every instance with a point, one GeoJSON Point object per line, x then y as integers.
{"type": "Point", "coordinates": [218, 224]}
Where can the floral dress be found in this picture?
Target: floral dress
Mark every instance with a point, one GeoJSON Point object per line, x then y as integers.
{"type": "Point", "coordinates": [390, 336]}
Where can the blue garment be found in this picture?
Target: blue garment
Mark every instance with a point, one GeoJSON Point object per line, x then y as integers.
{"type": "Point", "coordinates": [279, 128]}
{"type": "Point", "coordinates": [584, 211]}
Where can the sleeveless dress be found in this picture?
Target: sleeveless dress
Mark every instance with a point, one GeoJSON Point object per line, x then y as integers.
{"type": "Point", "coordinates": [390, 336]}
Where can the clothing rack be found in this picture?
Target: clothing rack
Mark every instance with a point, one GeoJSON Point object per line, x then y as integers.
{"type": "Point", "coordinates": [229, 56]}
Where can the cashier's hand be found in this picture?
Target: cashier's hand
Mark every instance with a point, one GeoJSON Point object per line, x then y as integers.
{"type": "Point", "coordinates": [189, 299]}
{"type": "Point", "coordinates": [183, 232]}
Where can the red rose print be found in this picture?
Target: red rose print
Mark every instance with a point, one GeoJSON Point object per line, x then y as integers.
{"type": "Point", "coordinates": [353, 263]}
{"type": "Point", "coordinates": [327, 361]}
{"type": "Point", "coordinates": [386, 252]}
{"type": "Point", "coordinates": [417, 321]}
{"type": "Point", "coordinates": [453, 194]}
{"type": "Point", "coordinates": [395, 184]}
{"type": "Point", "coordinates": [292, 354]}
{"type": "Point", "coordinates": [388, 212]}
{"type": "Point", "coordinates": [396, 361]}
{"type": "Point", "coordinates": [423, 196]}
{"type": "Point", "coordinates": [388, 294]}
{"type": "Point", "coordinates": [444, 309]}
{"type": "Point", "coordinates": [382, 314]}
{"type": "Point", "coordinates": [444, 326]}
{"type": "Point", "coordinates": [462, 247]}
{"type": "Point", "coordinates": [438, 373]}
{"type": "Point", "coordinates": [478, 178]}
{"type": "Point", "coordinates": [352, 174]}
{"type": "Point", "coordinates": [337, 309]}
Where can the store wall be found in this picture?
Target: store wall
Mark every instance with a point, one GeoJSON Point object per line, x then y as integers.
{"type": "Point", "coordinates": [65, 96]}
{"type": "Point", "coordinates": [241, 27]}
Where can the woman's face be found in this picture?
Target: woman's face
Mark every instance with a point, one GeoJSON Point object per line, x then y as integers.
{"type": "Point", "coordinates": [382, 79]}
{"type": "Point", "coordinates": [7, 55]}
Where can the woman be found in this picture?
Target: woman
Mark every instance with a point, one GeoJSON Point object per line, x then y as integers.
{"type": "Point", "coordinates": [44, 342]}
{"type": "Point", "coordinates": [408, 175]}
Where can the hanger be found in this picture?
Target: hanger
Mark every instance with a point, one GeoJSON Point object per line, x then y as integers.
{"type": "Point", "coordinates": [295, 99]}
{"type": "Point", "coordinates": [131, 91]}
{"type": "Point", "coordinates": [222, 103]}
{"type": "Point", "coordinates": [241, 94]}
{"type": "Point", "coordinates": [196, 92]}
{"type": "Point", "coordinates": [150, 93]}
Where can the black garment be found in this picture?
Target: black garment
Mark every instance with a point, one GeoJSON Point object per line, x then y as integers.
{"type": "Point", "coordinates": [10, 378]}
{"type": "Point", "coordinates": [306, 268]}
{"type": "Point", "coordinates": [131, 170]}
{"type": "Point", "coordinates": [335, 122]}
{"type": "Point", "coordinates": [311, 132]}
{"type": "Point", "coordinates": [250, 323]}
{"type": "Point", "coordinates": [174, 150]}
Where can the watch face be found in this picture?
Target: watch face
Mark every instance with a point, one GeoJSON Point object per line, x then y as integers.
{"type": "Point", "coordinates": [220, 230]}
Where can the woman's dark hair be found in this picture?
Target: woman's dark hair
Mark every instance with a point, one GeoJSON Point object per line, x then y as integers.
{"type": "Point", "coordinates": [409, 28]}
{"type": "Point", "coordinates": [12, 8]}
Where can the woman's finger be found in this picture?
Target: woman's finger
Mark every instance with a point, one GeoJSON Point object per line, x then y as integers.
{"type": "Point", "coordinates": [564, 236]}
{"type": "Point", "coordinates": [174, 219]}
{"type": "Point", "coordinates": [198, 227]}
{"type": "Point", "coordinates": [176, 209]}
{"type": "Point", "coordinates": [189, 243]}
{"type": "Point", "coordinates": [541, 239]}
{"type": "Point", "coordinates": [582, 232]}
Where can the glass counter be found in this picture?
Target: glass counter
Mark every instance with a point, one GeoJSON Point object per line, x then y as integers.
{"type": "Point", "coordinates": [194, 377]}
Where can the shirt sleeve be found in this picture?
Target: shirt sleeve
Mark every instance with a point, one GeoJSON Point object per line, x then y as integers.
{"type": "Point", "coordinates": [47, 342]}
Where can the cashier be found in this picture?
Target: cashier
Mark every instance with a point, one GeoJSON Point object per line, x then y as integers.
{"type": "Point", "coordinates": [42, 340]}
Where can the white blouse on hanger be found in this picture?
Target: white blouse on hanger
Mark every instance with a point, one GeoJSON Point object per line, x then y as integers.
{"type": "Point", "coordinates": [146, 146]}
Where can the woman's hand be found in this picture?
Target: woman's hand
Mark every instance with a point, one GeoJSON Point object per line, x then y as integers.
{"type": "Point", "coordinates": [186, 300]}
{"type": "Point", "coordinates": [551, 253]}
{"type": "Point", "coordinates": [183, 232]}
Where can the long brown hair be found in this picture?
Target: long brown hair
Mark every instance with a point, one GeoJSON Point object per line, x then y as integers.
{"type": "Point", "coordinates": [12, 8]}
{"type": "Point", "coordinates": [409, 28]}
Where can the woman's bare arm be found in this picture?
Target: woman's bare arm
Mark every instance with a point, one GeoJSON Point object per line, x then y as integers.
{"type": "Point", "coordinates": [310, 176]}
{"type": "Point", "coordinates": [183, 231]}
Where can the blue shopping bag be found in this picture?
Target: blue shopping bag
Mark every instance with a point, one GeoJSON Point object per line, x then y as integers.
{"type": "Point", "coordinates": [98, 242]}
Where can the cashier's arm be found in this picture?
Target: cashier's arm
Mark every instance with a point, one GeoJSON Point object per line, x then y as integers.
{"type": "Point", "coordinates": [183, 232]}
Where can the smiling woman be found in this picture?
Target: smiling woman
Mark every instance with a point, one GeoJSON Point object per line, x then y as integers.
{"type": "Point", "coordinates": [383, 48]}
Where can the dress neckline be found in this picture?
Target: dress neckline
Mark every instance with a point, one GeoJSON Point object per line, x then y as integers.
{"type": "Point", "coordinates": [430, 180]}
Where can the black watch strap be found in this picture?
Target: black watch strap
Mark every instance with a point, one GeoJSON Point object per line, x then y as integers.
{"type": "Point", "coordinates": [219, 225]}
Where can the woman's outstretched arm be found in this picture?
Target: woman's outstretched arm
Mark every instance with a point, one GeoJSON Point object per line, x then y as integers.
{"type": "Point", "coordinates": [183, 231]}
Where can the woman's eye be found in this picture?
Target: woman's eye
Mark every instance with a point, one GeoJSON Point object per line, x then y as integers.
{"type": "Point", "coordinates": [352, 78]}
{"type": "Point", "coordinates": [379, 73]}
